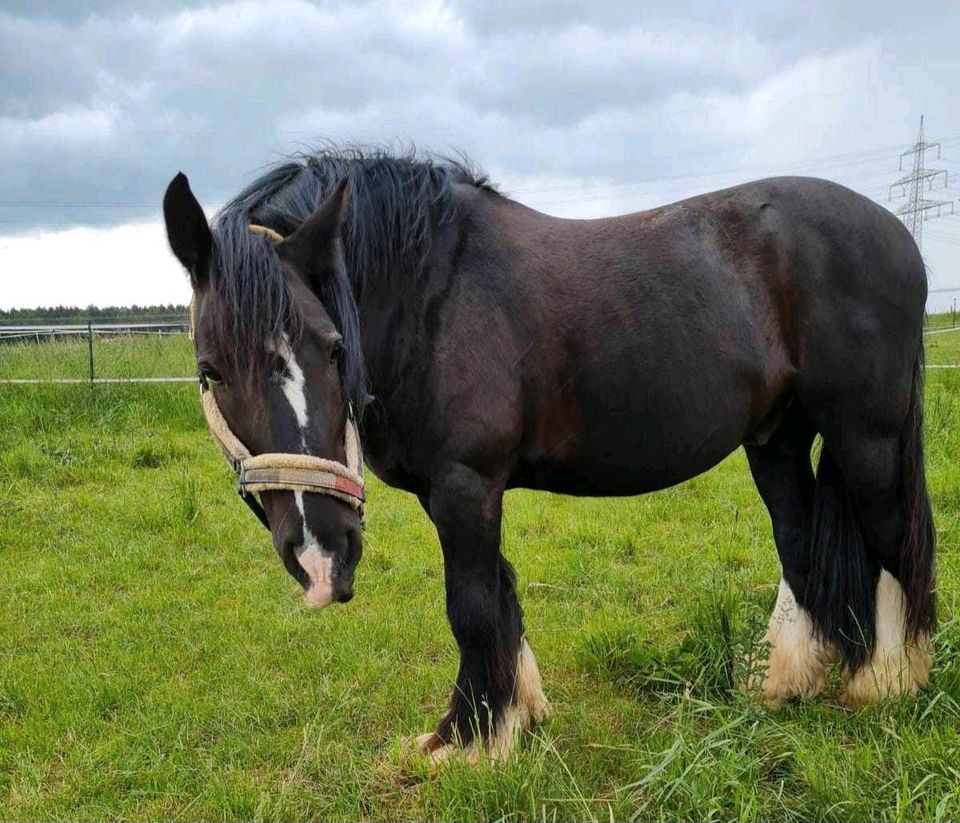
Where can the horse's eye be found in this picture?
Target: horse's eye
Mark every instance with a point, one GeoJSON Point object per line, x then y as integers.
{"type": "Point", "coordinates": [336, 352]}
{"type": "Point", "coordinates": [209, 373]}
{"type": "Point", "coordinates": [278, 366]}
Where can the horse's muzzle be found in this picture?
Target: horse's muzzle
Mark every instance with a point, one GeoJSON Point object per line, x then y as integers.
{"type": "Point", "coordinates": [331, 573]}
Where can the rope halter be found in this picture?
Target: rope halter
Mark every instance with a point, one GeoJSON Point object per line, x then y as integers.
{"type": "Point", "coordinates": [283, 471]}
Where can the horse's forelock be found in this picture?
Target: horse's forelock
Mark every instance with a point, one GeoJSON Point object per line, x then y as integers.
{"type": "Point", "coordinates": [254, 304]}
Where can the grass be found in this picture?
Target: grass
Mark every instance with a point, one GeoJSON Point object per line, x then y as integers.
{"type": "Point", "coordinates": [943, 347]}
{"type": "Point", "coordinates": [156, 661]}
{"type": "Point", "coordinates": [143, 355]}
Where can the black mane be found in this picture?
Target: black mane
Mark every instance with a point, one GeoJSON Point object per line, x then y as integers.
{"type": "Point", "coordinates": [395, 202]}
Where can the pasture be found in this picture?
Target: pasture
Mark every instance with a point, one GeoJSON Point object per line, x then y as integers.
{"type": "Point", "coordinates": [156, 661]}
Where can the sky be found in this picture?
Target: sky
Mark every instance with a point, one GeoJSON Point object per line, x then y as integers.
{"type": "Point", "coordinates": [577, 109]}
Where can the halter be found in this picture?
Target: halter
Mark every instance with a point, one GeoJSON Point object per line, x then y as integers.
{"type": "Point", "coordinates": [285, 471]}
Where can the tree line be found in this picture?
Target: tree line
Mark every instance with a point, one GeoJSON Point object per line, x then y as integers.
{"type": "Point", "coordinates": [107, 314]}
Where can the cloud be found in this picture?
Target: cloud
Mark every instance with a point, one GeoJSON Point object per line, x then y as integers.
{"type": "Point", "coordinates": [580, 109]}
{"type": "Point", "coordinates": [104, 267]}
{"type": "Point", "coordinates": [121, 101]}
{"type": "Point", "coordinates": [561, 77]}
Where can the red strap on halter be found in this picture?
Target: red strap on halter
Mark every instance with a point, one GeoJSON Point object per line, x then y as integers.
{"type": "Point", "coordinates": [347, 486]}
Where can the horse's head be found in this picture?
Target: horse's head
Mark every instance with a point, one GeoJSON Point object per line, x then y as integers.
{"type": "Point", "coordinates": [270, 355]}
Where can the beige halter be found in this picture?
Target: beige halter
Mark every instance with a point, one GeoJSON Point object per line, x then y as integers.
{"type": "Point", "coordinates": [285, 471]}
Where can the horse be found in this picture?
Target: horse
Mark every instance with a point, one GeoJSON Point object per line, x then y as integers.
{"type": "Point", "coordinates": [479, 345]}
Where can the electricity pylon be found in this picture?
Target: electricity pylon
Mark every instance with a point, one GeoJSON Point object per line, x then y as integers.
{"type": "Point", "coordinates": [913, 186]}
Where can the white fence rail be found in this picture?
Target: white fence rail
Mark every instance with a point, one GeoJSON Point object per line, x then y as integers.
{"type": "Point", "coordinates": [76, 330]}
{"type": "Point", "coordinates": [82, 328]}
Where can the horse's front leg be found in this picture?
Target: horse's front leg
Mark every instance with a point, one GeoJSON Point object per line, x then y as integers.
{"type": "Point", "coordinates": [498, 690]}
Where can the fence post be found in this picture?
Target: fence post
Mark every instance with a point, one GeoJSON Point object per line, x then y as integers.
{"type": "Point", "coordinates": [90, 346]}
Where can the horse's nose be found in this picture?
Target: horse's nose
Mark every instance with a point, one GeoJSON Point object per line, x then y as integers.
{"type": "Point", "coordinates": [354, 549]}
{"type": "Point", "coordinates": [318, 565]}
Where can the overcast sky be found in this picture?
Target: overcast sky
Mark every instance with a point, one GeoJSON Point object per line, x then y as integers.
{"type": "Point", "coordinates": [576, 108]}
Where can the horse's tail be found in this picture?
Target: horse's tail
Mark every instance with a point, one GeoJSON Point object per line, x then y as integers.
{"type": "Point", "coordinates": [919, 542]}
{"type": "Point", "coordinates": [841, 588]}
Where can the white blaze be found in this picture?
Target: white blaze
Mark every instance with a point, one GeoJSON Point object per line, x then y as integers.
{"type": "Point", "coordinates": [294, 386]}
{"type": "Point", "coordinates": [317, 563]}
{"type": "Point", "coordinates": [319, 566]}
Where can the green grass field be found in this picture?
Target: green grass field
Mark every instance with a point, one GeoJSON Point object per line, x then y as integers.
{"type": "Point", "coordinates": [156, 661]}
{"type": "Point", "coordinates": [123, 356]}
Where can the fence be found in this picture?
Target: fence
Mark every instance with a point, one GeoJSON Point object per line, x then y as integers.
{"type": "Point", "coordinates": [161, 352]}
{"type": "Point", "coordinates": [158, 352]}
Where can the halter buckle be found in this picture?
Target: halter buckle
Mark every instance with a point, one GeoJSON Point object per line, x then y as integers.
{"type": "Point", "coordinates": [237, 466]}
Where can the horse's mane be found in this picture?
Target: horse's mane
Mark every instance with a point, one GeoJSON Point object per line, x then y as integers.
{"type": "Point", "coordinates": [396, 201]}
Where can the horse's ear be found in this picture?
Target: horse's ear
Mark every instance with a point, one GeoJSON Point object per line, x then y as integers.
{"type": "Point", "coordinates": [187, 229]}
{"type": "Point", "coordinates": [313, 248]}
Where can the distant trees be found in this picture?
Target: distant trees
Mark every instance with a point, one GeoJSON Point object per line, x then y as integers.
{"type": "Point", "coordinates": [109, 314]}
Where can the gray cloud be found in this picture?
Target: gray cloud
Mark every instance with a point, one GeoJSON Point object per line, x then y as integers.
{"type": "Point", "coordinates": [75, 10]}
{"type": "Point", "coordinates": [100, 106]}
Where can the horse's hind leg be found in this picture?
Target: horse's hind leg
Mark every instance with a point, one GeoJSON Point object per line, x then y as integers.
{"type": "Point", "coordinates": [498, 690]}
{"type": "Point", "coordinates": [872, 578]}
{"type": "Point", "coordinates": [897, 661]}
{"type": "Point", "coordinates": [782, 470]}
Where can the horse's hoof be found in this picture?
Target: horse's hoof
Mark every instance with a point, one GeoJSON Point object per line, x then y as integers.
{"type": "Point", "coordinates": [497, 746]}
{"type": "Point", "coordinates": [897, 665]}
{"type": "Point", "coordinates": [430, 745]}
{"type": "Point", "coordinates": [424, 742]}
{"type": "Point", "coordinates": [528, 707]}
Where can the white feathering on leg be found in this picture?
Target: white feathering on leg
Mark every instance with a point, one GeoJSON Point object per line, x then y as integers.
{"type": "Point", "coordinates": [528, 706]}
{"type": "Point", "coordinates": [797, 666]}
{"type": "Point", "coordinates": [895, 667]}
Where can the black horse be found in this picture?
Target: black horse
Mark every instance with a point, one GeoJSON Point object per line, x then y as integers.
{"type": "Point", "coordinates": [490, 346]}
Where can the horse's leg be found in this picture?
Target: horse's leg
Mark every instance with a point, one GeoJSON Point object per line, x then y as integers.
{"type": "Point", "coordinates": [898, 663]}
{"type": "Point", "coordinates": [782, 471]}
{"type": "Point", "coordinates": [498, 690]}
{"type": "Point", "coordinates": [871, 584]}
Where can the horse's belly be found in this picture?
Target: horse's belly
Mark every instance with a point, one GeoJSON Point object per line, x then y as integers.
{"type": "Point", "coordinates": [635, 465]}
{"type": "Point", "coordinates": [645, 434]}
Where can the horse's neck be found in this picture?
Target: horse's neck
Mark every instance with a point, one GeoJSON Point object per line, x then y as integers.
{"type": "Point", "coordinates": [401, 316]}
{"type": "Point", "coordinates": [404, 317]}
{"type": "Point", "coordinates": [391, 333]}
